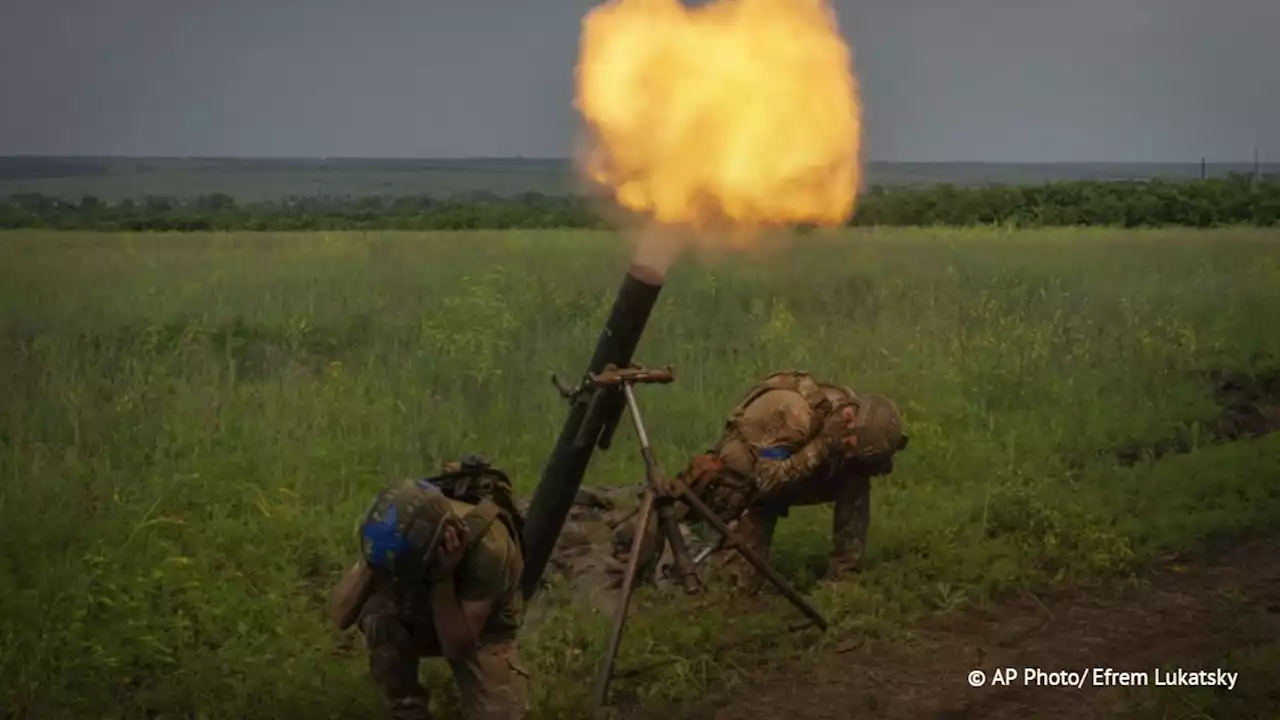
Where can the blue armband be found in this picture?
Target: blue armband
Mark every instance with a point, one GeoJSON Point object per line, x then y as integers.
{"type": "Point", "coordinates": [778, 452]}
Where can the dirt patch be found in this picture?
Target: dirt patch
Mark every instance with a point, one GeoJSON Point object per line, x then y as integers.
{"type": "Point", "coordinates": [1250, 407]}
{"type": "Point", "coordinates": [1182, 616]}
{"type": "Point", "coordinates": [1250, 403]}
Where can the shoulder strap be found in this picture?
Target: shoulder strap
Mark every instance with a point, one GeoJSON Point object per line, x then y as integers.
{"type": "Point", "coordinates": [812, 393]}
{"type": "Point", "coordinates": [480, 518]}
{"type": "Point", "coordinates": [848, 393]}
{"type": "Point", "coordinates": [494, 504]}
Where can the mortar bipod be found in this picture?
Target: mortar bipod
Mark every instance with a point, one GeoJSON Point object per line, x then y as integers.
{"type": "Point", "coordinates": [662, 492]}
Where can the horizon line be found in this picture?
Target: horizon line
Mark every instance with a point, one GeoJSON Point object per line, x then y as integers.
{"type": "Point", "coordinates": [531, 158]}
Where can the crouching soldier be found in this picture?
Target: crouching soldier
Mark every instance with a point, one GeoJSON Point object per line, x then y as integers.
{"type": "Point", "coordinates": [794, 441]}
{"type": "Point", "coordinates": [439, 576]}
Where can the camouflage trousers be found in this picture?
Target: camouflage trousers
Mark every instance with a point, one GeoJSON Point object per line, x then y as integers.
{"type": "Point", "coordinates": [851, 520]}
{"type": "Point", "coordinates": [490, 680]}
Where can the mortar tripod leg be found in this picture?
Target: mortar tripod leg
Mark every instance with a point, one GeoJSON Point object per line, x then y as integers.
{"type": "Point", "coordinates": [682, 565]}
{"type": "Point", "coordinates": [763, 567]}
{"type": "Point", "coordinates": [624, 601]}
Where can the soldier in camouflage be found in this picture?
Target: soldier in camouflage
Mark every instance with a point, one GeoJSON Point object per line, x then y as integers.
{"type": "Point", "coordinates": [446, 584]}
{"type": "Point", "coordinates": [793, 441]}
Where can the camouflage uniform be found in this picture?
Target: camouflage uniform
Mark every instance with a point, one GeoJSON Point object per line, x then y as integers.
{"type": "Point", "coordinates": [811, 443]}
{"type": "Point", "coordinates": [398, 629]}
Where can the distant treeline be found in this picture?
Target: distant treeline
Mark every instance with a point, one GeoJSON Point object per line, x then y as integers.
{"type": "Point", "coordinates": [1234, 200]}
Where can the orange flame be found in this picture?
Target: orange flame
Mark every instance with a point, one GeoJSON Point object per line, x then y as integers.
{"type": "Point", "coordinates": [736, 115]}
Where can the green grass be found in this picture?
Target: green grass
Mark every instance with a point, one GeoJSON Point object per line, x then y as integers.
{"type": "Point", "coordinates": [193, 423]}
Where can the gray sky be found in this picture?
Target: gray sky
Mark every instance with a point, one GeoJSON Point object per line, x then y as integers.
{"type": "Point", "coordinates": [942, 80]}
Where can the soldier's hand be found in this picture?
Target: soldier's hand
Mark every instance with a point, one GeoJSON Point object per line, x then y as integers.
{"type": "Point", "coordinates": [666, 486]}
{"type": "Point", "coordinates": [449, 554]}
{"type": "Point", "coordinates": [771, 475]}
{"type": "Point", "coordinates": [838, 429]}
{"type": "Point", "coordinates": [767, 481]}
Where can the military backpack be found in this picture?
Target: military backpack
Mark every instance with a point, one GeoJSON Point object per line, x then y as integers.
{"type": "Point", "coordinates": [875, 422]}
{"type": "Point", "coordinates": [474, 481]}
{"type": "Point", "coordinates": [815, 394]}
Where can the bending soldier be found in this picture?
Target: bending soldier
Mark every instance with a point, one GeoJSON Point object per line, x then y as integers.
{"type": "Point", "coordinates": [793, 441]}
{"type": "Point", "coordinates": [439, 576]}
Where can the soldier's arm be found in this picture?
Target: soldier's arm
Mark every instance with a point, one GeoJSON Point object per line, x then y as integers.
{"type": "Point", "coordinates": [457, 622]}
{"type": "Point", "coordinates": [775, 474]}
{"type": "Point", "coordinates": [461, 608]}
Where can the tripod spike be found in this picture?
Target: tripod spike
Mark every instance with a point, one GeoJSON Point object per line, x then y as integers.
{"type": "Point", "coordinates": [605, 673]}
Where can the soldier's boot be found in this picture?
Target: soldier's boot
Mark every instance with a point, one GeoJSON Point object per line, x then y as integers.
{"type": "Point", "coordinates": [393, 661]}
{"type": "Point", "coordinates": [755, 528]}
{"type": "Point", "coordinates": [850, 520]}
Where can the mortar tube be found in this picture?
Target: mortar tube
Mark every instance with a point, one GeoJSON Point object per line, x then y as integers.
{"type": "Point", "coordinates": [562, 476]}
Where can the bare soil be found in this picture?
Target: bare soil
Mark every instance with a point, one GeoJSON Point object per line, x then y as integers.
{"type": "Point", "coordinates": [1185, 616]}
{"type": "Point", "coordinates": [1250, 407]}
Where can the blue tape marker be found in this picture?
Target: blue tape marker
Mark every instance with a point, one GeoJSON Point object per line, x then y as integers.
{"type": "Point", "coordinates": [385, 542]}
{"type": "Point", "coordinates": [777, 452]}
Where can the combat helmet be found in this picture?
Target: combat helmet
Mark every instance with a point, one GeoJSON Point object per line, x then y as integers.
{"type": "Point", "coordinates": [878, 427]}
{"type": "Point", "coordinates": [404, 527]}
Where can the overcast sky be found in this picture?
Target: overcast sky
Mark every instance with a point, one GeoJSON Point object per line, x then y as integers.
{"type": "Point", "coordinates": [942, 80]}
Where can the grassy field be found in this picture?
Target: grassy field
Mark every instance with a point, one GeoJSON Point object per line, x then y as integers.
{"type": "Point", "coordinates": [194, 422]}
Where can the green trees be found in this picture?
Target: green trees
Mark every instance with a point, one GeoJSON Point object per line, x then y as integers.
{"type": "Point", "coordinates": [1234, 200]}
